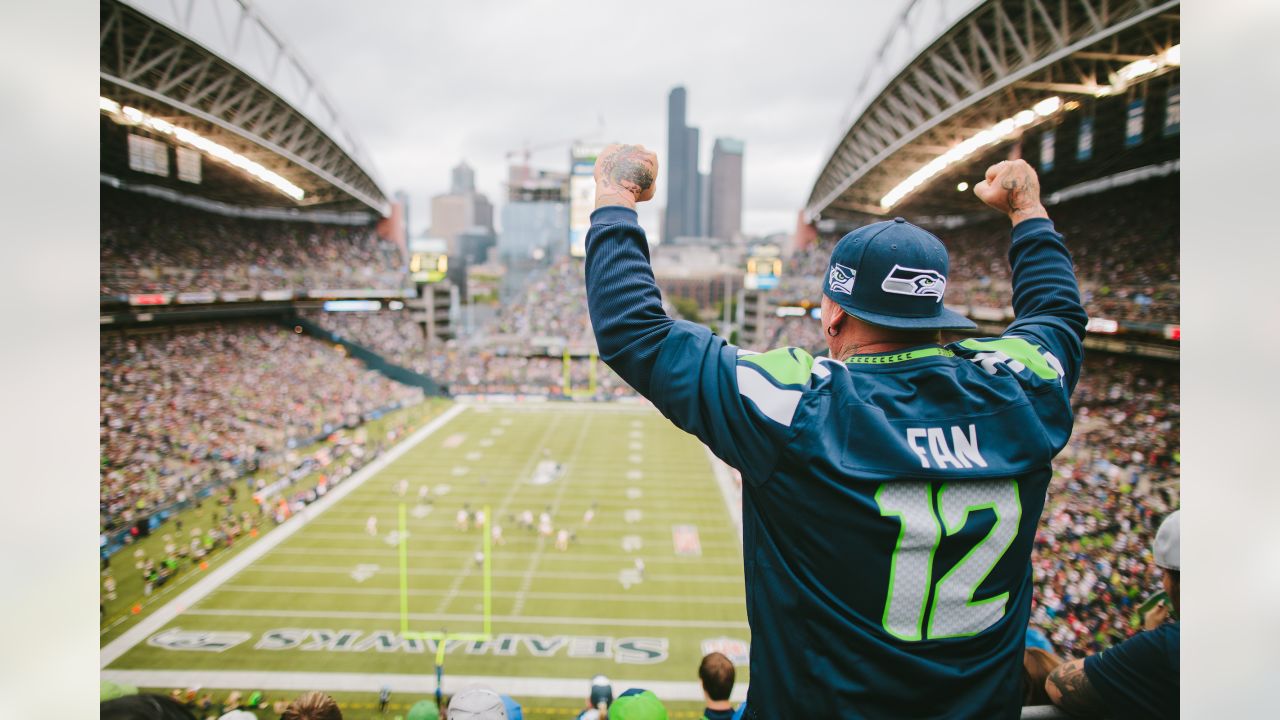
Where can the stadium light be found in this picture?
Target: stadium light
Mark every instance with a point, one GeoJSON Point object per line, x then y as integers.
{"type": "Point", "coordinates": [135, 116]}
{"type": "Point", "coordinates": [1123, 77]}
{"type": "Point", "coordinates": [967, 148]}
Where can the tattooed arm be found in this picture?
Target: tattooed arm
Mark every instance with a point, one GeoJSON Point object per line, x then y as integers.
{"type": "Point", "coordinates": [1012, 188]}
{"type": "Point", "coordinates": [1069, 688]}
{"type": "Point", "coordinates": [625, 175]}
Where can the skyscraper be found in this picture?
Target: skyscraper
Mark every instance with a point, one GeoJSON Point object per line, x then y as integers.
{"type": "Point", "coordinates": [725, 195]}
{"type": "Point", "coordinates": [462, 209]}
{"type": "Point", "coordinates": [464, 180]}
{"type": "Point", "coordinates": [682, 215]}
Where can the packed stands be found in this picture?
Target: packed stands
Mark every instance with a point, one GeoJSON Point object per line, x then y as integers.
{"type": "Point", "coordinates": [1124, 243]}
{"type": "Point", "coordinates": [1113, 484]}
{"type": "Point", "coordinates": [392, 334]}
{"type": "Point", "coordinates": [199, 406]}
{"type": "Point", "coordinates": [149, 245]}
{"type": "Point", "coordinates": [553, 304]}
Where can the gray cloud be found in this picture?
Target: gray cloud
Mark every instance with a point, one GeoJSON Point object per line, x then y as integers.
{"type": "Point", "coordinates": [424, 85]}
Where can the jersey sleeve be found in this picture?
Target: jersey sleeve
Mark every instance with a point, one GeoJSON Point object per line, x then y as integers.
{"type": "Point", "coordinates": [1050, 319]}
{"type": "Point", "coordinates": [740, 404]}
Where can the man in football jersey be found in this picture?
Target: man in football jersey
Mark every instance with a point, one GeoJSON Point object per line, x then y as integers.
{"type": "Point", "coordinates": [891, 490]}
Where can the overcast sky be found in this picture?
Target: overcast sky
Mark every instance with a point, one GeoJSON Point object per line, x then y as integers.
{"type": "Point", "coordinates": [427, 84]}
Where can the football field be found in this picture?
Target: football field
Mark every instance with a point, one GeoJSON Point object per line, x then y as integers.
{"type": "Point", "coordinates": [647, 584]}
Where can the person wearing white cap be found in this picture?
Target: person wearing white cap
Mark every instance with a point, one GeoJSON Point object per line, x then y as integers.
{"type": "Point", "coordinates": [1139, 678]}
{"type": "Point", "coordinates": [477, 703]}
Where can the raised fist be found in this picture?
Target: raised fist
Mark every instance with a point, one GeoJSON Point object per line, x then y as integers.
{"type": "Point", "coordinates": [625, 175]}
{"type": "Point", "coordinates": [1012, 188]}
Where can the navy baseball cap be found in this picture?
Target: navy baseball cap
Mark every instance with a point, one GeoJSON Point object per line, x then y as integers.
{"type": "Point", "coordinates": [893, 274]}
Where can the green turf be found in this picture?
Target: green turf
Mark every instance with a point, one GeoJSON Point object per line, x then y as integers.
{"type": "Point", "coordinates": [306, 583]}
{"type": "Point", "coordinates": [117, 615]}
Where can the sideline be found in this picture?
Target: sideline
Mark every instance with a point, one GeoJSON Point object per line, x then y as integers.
{"type": "Point", "coordinates": [732, 496]}
{"type": "Point", "coordinates": [162, 616]}
{"type": "Point", "coordinates": [423, 683]}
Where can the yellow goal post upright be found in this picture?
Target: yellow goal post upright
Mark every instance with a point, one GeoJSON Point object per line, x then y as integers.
{"type": "Point", "coordinates": [443, 637]}
{"type": "Point", "coordinates": [566, 384]}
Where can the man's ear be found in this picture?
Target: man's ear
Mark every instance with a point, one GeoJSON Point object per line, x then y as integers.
{"type": "Point", "coordinates": [837, 316]}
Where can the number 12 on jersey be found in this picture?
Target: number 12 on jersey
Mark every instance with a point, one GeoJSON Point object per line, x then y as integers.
{"type": "Point", "coordinates": [953, 613]}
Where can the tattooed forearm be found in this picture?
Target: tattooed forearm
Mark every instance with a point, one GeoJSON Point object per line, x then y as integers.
{"type": "Point", "coordinates": [1070, 690]}
{"type": "Point", "coordinates": [1023, 192]}
{"type": "Point", "coordinates": [625, 175]}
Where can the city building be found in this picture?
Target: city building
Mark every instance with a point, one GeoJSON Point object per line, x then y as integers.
{"type": "Point", "coordinates": [725, 193]}
{"type": "Point", "coordinates": [461, 209]}
{"type": "Point", "coordinates": [682, 214]}
{"type": "Point", "coordinates": [535, 220]}
{"type": "Point", "coordinates": [533, 231]}
{"type": "Point", "coordinates": [464, 179]}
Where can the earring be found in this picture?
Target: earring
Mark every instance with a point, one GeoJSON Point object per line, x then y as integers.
{"type": "Point", "coordinates": [831, 331]}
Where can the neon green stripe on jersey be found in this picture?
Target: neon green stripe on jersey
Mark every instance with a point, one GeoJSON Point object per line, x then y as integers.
{"type": "Point", "coordinates": [899, 357]}
{"type": "Point", "coordinates": [787, 365]}
{"type": "Point", "coordinates": [1017, 349]}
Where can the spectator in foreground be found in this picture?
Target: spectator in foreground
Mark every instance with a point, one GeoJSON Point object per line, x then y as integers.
{"type": "Point", "coordinates": [885, 450]}
{"type": "Point", "coordinates": [716, 673]}
{"type": "Point", "coordinates": [312, 706]}
{"type": "Point", "coordinates": [143, 707]}
{"type": "Point", "coordinates": [1138, 678]}
{"type": "Point", "coordinates": [477, 703]}
{"type": "Point", "coordinates": [598, 700]}
{"type": "Point", "coordinates": [424, 710]}
{"type": "Point", "coordinates": [514, 711]}
{"type": "Point", "coordinates": [1036, 666]}
{"type": "Point", "coordinates": [637, 704]}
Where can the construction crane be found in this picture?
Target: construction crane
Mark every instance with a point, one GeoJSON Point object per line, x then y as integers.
{"type": "Point", "coordinates": [529, 150]}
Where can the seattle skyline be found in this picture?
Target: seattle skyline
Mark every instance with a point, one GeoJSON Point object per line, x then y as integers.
{"type": "Point", "coordinates": [426, 86]}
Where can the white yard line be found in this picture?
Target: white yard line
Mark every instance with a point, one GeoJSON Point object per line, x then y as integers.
{"type": "Point", "coordinates": [637, 407]}
{"type": "Point", "coordinates": [166, 613]}
{"type": "Point", "coordinates": [650, 536]}
{"type": "Point", "coordinates": [593, 596]}
{"type": "Point", "coordinates": [732, 496]}
{"type": "Point", "coordinates": [509, 550]}
{"type": "Point", "coordinates": [495, 514]}
{"type": "Point", "coordinates": [527, 580]}
{"type": "Point", "coordinates": [289, 614]}
{"type": "Point", "coordinates": [346, 570]}
{"type": "Point", "coordinates": [423, 683]}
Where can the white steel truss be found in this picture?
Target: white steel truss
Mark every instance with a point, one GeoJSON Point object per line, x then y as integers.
{"type": "Point", "coordinates": [145, 60]}
{"type": "Point", "coordinates": [999, 59]}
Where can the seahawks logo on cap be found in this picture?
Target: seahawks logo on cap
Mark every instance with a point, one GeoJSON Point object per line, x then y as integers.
{"type": "Point", "coordinates": [913, 281]}
{"type": "Point", "coordinates": [842, 278]}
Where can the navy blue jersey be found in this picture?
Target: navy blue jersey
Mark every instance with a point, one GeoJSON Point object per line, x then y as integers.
{"type": "Point", "coordinates": [890, 501]}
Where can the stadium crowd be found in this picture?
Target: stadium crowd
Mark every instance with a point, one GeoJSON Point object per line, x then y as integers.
{"type": "Point", "coordinates": [392, 334]}
{"type": "Point", "coordinates": [552, 304]}
{"type": "Point", "coordinates": [148, 245]}
{"type": "Point", "coordinates": [200, 406]}
{"type": "Point", "coordinates": [716, 675]}
{"type": "Point", "coordinates": [1113, 484]}
{"type": "Point", "coordinates": [1124, 243]}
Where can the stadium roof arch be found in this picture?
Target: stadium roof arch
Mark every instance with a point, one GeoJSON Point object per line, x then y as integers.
{"type": "Point", "coordinates": [989, 72]}
{"type": "Point", "coordinates": [184, 67]}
